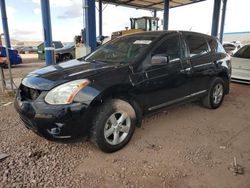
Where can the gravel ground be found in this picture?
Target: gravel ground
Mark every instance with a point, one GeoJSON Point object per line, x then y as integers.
{"type": "Point", "coordinates": [186, 146]}
{"type": "Point", "coordinates": [30, 63]}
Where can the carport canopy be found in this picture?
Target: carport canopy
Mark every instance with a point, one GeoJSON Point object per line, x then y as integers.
{"type": "Point", "coordinates": [150, 4]}
{"type": "Point", "coordinates": [89, 17]}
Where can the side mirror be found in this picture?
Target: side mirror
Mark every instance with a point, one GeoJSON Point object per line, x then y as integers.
{"type": "Point", "coordinates": [159, 60]}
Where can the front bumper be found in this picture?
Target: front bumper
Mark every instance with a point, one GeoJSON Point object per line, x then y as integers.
{"type": "Point", "coordinates": [53, 121]}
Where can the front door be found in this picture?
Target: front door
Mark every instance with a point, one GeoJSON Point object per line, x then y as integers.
{"type": "Point", "coordinates": [164, 83]}
{"type": "Point", "coordinates": [241, 63]}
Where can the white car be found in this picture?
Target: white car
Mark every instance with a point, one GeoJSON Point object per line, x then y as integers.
{"type": "Point", "coordinates": [231, 47]}
{"type": "Point", "coordinates": [241, 65]}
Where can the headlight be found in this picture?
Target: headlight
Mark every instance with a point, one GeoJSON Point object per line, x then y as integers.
{"type": "Point", "coordinates": [65, 93]}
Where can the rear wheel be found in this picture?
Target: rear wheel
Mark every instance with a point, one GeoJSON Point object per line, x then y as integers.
{"type": "Point", "coordinates": [65, 57]}
{"type": "Point", "coordinates": [216, 93]}
{"type": "Point", "coordinates": [113, 125]}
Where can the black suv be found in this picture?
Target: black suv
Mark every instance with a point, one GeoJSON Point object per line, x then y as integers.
{"type": "Point", "coordinates": [107, 93]}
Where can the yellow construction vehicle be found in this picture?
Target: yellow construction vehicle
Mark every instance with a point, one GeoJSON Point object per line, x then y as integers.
{"type": "Point", "coordinates": [139, 25]}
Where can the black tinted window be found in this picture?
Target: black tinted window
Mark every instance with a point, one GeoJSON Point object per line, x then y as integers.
{"type": "Point", "coordinates": [244, 52]}
{"type": "Point", "coordinates": [197, 45]}
{"type": "Point", "coordinates": [215, 45]}
{"type": "Point", "coordinates": [220, 48]}
{"type": "Point", "coordinates": [212, 44]}
{"type": "Point", "coordinates": [169, 48]}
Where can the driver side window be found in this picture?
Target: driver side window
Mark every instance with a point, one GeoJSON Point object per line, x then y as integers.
{"type": "Point", "coordinates": [169, 48]}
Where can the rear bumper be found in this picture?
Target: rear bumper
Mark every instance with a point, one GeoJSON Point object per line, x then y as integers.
{"type": "Point", "coordinates": [53, 121]}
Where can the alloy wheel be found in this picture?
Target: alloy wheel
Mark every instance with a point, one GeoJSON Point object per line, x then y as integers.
{"type": "Point", "coordinates": [117, 128]}
{"type": "Point", "coordinates": [218, 93]}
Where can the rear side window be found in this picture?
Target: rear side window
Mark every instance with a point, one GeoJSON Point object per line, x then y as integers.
{"type": "Point", "coordinates": [220, 47]}
{"type": "Point", "coordinates": [212, 44]}
{"type": "Point", "coordinates": [197, 45]}
{"type": "Point", "coordinates": [215, 45]}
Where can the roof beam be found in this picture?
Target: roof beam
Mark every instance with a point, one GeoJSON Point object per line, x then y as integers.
{"type": "Point", "coordinates": [151, 5]}
{"type": "Point", "coordinates": [161, 2]}
{"type": "Point", "coordinates": [129, 3]}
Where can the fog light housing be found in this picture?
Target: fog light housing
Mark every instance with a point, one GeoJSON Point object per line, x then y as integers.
{"type": "Point", "coordinates": [54, 131]}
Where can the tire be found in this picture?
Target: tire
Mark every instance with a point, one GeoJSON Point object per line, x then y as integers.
{"type": "Point", "coordinates": [5, 66]}
{"type": "Point", "coordinates": [107, 133]}
{"type": "Point", "coordinates": [213, 100]}
{"type": "Point", "coordinates": [64, 58]}
{"type": "Point", "coordinates": [67, 57]}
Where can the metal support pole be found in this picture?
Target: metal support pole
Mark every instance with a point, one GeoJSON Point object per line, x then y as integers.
{"type": "Point", "coordinates": [84, 22]}
{"type": "Point", "coordinates": [100, 17]}
{"type": "Point", "coordinates": [90, 24]}
{"type": "Point", "coordinates": [223, 17]}
{"type": "Point", "coordinates": [7, 38]}
{"type": "Point", "coordinates": [5, 24]}
{"type": "Point", "coordinates": [48, 47]}
{"type": "Point", "coordinates": [166, 14]}
{"type": "Point", "coordinates": [216, 18]}
{"type": "Point", "coordinates": [2, 80]}
{"type": "Point", "coordinates": [155, 13]}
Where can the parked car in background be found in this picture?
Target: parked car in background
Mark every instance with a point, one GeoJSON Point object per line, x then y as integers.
{"type": "Point", "coordinates": [27, 49]}
{"type": "Point", "coordinates": [241, 65]}
{"type": "Point", "coordinates": [41, 50]}
{"type": "Point", "coordinates": [72, 50]}
{"type": "Point", "coordinates": [106, 94]}
{"type": "Point", "coordinates": [18, 48]}
{"type": "Point", "coordinates": [231, 47]}
{"type": "Point", "coordinates": [66, 53]}
{"type": "Point", "coordinates": [15, 58]}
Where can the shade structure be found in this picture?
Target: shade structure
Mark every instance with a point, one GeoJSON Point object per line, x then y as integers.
{"type": "Point", "coordinates": [150, 4]}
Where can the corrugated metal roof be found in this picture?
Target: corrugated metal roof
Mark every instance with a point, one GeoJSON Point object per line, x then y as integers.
{"type": "Point", "coordinates": [150, 4]}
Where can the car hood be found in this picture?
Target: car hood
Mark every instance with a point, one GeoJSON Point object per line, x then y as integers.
{"type": "Point", "coordinates": [65, 49]}
{"type": "Point", "coordinates": [48, 77]}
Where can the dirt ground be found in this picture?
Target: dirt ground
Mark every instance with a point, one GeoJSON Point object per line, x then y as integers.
{"type": "Point", "coordinates": [185, 146]}
{"type": "Point", "coordinates": [30, 63]}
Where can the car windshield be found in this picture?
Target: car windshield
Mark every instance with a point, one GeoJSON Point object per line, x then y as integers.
{"type": "Point", "coordinates": [244, 52]}
{"type": "Point", "coordinates": [121, 50]}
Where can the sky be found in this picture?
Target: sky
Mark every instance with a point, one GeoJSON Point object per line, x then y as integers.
{"type": "Point", "coordinates": [25, 22]}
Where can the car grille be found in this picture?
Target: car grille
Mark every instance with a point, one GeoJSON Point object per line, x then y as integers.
{"type": "Point", "coordinates": [29, 93]}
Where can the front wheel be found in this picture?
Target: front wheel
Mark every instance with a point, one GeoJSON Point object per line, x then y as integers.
{"type": "Point", "coordinates": [113, 125]}
{"type": "Point", "coordinates": [216, 93]}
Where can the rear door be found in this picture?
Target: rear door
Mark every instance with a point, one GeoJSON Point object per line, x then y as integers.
{"type": "Point", "coordinates": [198, 55]}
